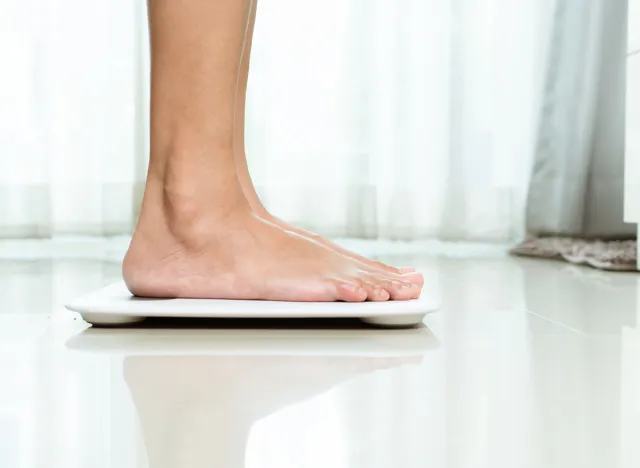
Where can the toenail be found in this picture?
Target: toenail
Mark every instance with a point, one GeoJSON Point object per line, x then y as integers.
{"type": "Point", "coordinates": [362, 291]}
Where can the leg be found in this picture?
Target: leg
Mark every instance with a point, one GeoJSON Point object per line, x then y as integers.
{"type": "Point", "coordinates": [239, 129]}
{"type": "Point", "coordinates": [197, 236]}
{"type": "Point", "coordinates": [243, 168]}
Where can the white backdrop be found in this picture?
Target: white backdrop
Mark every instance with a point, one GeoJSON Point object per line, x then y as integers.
{"type": "Point", "coordinates": [366, 118]}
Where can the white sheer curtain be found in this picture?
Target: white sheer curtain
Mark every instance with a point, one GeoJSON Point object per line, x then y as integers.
{"type": "Point", "coordinates": [67, 127]}
{"type": "Point", "coordinates": [367, 118]}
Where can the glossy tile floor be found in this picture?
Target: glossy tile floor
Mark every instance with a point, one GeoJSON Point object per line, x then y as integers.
{"type": "Point", "coordinates": [529, 364]}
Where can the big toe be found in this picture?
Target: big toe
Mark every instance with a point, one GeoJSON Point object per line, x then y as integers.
{"type": "Point", "coordinates": [406, 269]}
{"type": "Point", "coordinates": [414, 277]}
{"type": "Point", "coordinates": [399, 290]}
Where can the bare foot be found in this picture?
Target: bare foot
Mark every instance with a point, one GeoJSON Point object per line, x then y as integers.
{"type": "Point", "coordinates": [264, 214]}
{"type": "Point", "coordinates": [182, 249]}
{"type": "Point", "coordinates": [197, 236]}
{"type": "Point", "coordinates": [258, 208]}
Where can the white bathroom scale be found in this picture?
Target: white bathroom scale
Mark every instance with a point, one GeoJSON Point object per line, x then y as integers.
{"type": "Point", "coordinates": [116, 306]}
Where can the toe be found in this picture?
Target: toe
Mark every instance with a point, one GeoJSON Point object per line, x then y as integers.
{"type": "Point", "coordinates": [381, 295]}
{"type": "Point", "coordinates": [403, 270]}
{"type": "Point", "coordinates": [350, 291]}
{"type": "Point", "coordinates": [415, 291]}
{"type": "Point", "coordinates": [375, 290]}
{"type": "Point", "coordinates": [378, 294]}
{"type": "Point", "coordinates": [410, 277]}
{"type": "Point", "coordinates": [369, 288]}
{"type": "Point", "coordinates": [402, 292]}
{"type": "Point", "coordinates": [414, 278]}
{"type": "Point", "coordinates": [399, 290]}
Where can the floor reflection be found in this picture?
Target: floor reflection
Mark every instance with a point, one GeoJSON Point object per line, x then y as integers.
{"type": "Point", "coordinates": [199, 393]}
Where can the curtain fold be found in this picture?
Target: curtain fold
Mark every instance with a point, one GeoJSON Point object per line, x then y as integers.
{"type": "Point", "coordinates": [66, 117]}
{"type": "Point", "coordinates": [577, 184]}
{"type": "Point", "coordinates": [366, 118]}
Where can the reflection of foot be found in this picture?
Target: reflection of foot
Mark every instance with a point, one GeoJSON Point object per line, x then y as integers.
{"type": "Point", "coordinates": [184, 248]}
{"type": "Point", "coordinates": [198, 411]}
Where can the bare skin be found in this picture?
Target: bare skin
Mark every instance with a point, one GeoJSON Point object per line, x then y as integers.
{"type": "Point", "coordinates": [197, 235]}
{"type": "Point", "coordinates": [244, 174]}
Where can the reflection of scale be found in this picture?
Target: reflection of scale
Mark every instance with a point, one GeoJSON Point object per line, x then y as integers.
{"type": "Point", "coordinates": [339, 340]}
{"type": "Point", "coordinates": [200, 395]}
{"type": "Point", "coordinates": [114, 305]}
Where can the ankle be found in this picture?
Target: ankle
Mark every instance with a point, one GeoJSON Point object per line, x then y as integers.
{"type": "Point", "coordinates": [188, 211]}
{"type": "Point", "coordinates": [186, 199]}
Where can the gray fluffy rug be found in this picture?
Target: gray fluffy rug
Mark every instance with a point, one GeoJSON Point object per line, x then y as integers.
{"type": "Point", "coordinates": [604, 255]}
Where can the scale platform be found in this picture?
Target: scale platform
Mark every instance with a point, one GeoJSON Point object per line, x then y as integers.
{"type": "Point", "coordinates": [115, 306]}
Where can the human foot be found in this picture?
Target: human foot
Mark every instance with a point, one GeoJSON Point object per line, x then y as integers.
{"type": "Point", "coordinates": [197, 236]}
{"type": "Point", "coordinates": [187, 249]}
{"type": "Point", "coordinates": [335, 247]}
{"type": "Point", "coordinates": [259, 209]}
{"type": "Point", "coordinates": [262, 212]}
